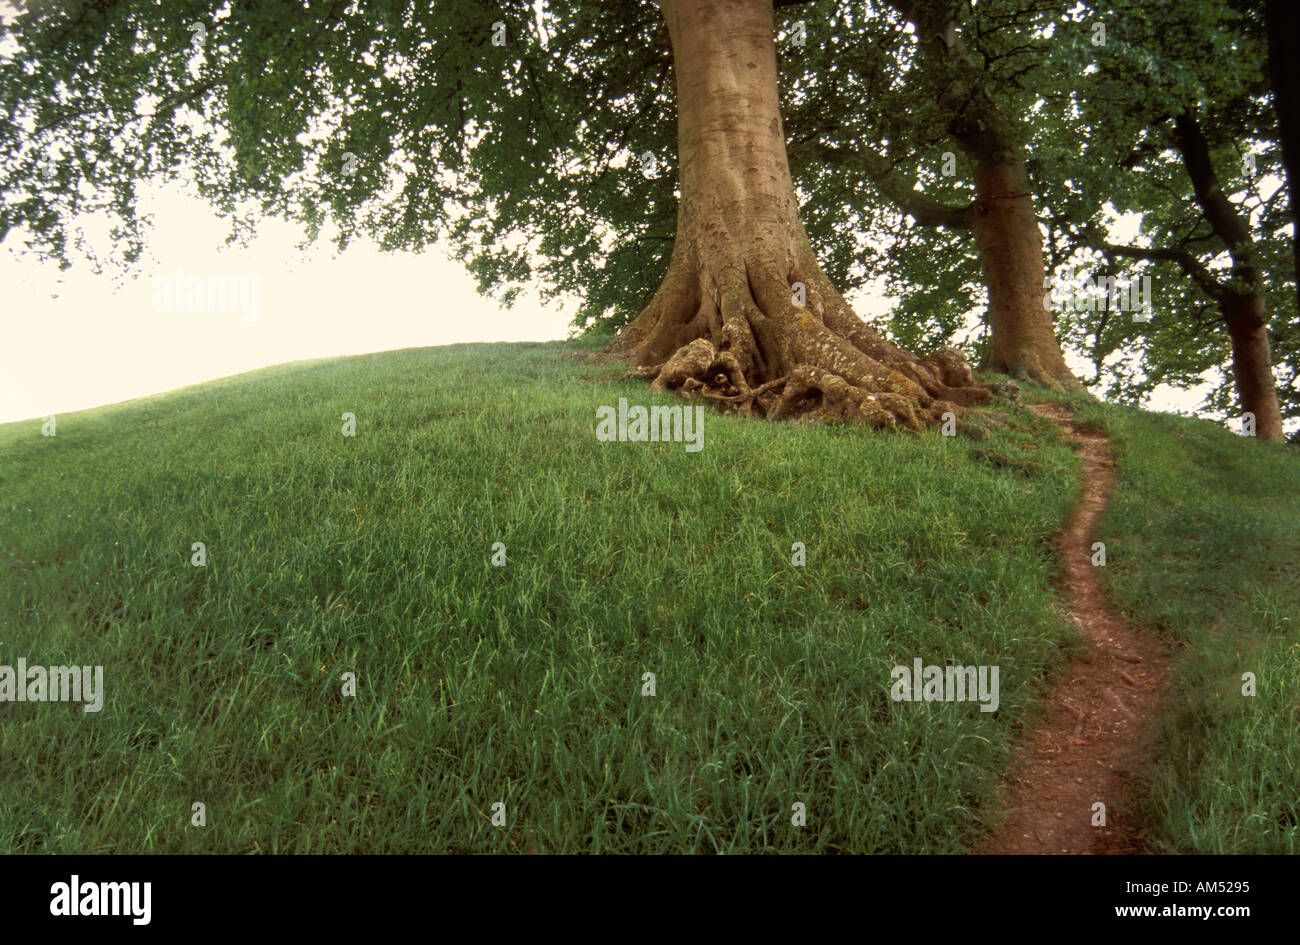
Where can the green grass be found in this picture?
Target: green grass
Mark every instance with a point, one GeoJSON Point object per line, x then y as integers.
{"type": "Point", "coordinates": [476, 684]}
{"type": "Point", "coordinates": [1203, 542]}
{"type": "Point", "coordinates": [522, 684]}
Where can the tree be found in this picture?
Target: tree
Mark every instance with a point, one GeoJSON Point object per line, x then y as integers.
{"type": "Point", "coordinates": [745, 312]}
{"type": "Point", "coordinates": [1174, 112]}
{"type": "Point", "coordinates": [1095, 90]}
{"type": "Point", "coordinates": [966, 81]}
{"type": "Point", "coordinates": [1004, 224]}
{"type": "Point", "coordinates": [1241, 296]}
{"type": "Point", "coordinates": [1282, 20]}
{"type": "Point", "coordinates": [372, 118]}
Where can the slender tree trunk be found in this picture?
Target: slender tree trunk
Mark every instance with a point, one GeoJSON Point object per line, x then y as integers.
{"type": "Point", "coordinates": [745, 315]}
{"type": "Point", "coordinates": [1252, 363]}
{"type": "Point", "coordinates": [1243, 311]}
{"type": "Point", "coordinates": [1022, 334]}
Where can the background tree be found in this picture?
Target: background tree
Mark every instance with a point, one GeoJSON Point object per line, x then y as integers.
{"type": "Point", "coordinates": [893, 96]}
{"type": "Point", "coordinates": [1082, 81]}
{"type": "Point", "coordinates": [959, 77]}
{"type": "Point", "coordinates": [1173, 117]}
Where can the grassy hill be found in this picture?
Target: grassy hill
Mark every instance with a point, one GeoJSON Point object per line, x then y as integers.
{"type": "Point", "coordinates": [523, 683]}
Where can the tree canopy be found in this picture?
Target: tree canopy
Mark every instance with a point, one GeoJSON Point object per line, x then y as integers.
{"type": "Point", "coordinates": [538, 141]}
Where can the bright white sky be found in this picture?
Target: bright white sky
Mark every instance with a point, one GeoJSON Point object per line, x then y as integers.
{"type": "Point", "coordinates": [98, 343]}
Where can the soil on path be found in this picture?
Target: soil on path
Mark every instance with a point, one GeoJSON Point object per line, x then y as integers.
{"type": "Point", "coordinates": [1102, 710]}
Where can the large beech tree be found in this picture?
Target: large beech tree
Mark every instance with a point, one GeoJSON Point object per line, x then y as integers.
{"type": "Point", "coordinates": [479, 121]}
{"type": "Point", "coordinates": [745, 313]}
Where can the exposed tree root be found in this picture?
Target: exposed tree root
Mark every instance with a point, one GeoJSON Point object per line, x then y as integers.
{"type": "Point", "coordinates": [755, 350]}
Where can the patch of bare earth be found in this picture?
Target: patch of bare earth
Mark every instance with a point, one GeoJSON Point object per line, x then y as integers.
{"type": "Point", "coordinates": [1103, 708]}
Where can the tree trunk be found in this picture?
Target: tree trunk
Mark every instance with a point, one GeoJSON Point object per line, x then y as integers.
{"type": "Point", "coordinates": [745, 315]}
{"type": "Point", "coordinates": [1243, 311]}
{"type": "Point", "coordinates": [1252, 363]}
{"type": "Point", "coordinates": [1022, 339]}
{"type": "Point", "coordinates": [1022, 334]}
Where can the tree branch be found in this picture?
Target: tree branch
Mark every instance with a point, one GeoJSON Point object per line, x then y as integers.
{"type": "Point", "coordinates": [1214, 203]}
{"type": "Point", "coordinates": [1185, 260]}
{"type": "Point", "coordinates": [925, 209]}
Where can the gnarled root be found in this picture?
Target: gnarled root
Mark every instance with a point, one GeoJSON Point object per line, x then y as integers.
{"type": "Point", "coordinates": [758, 353]}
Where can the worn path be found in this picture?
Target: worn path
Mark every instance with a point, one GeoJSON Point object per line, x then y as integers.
{"type": "Point", "coordinates": [1103, 708]}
